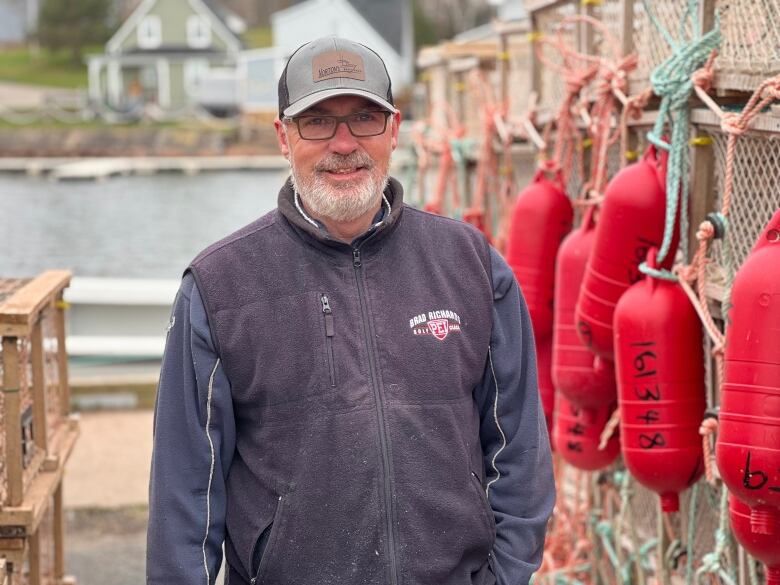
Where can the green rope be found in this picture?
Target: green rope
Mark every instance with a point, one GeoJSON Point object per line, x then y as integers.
{"type": "Point", "coordinates": [657, 272]}
{"type": "Point", "coordinates": [460, 149]}
{"type": "Point", "coordinates": [712, 562]}
{"type": "Point", "coordinates": [691, 532]}
{"type": "Point", "coordinates": [672, 81]}
{"type": "Point", "coordinates": [752, 572]}
{"type": "Point", "coordinates": [409, 178]}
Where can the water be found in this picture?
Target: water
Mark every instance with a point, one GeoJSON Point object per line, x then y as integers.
{"type": "Point", "coordinates": [129, 227]}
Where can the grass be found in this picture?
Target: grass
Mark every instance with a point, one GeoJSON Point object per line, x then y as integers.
{"type": "Point", "coordinates": [42, 67]}
{"type": "Point", "coordinates": [258, 37]}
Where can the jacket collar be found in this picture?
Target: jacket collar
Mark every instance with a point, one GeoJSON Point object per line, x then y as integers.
{"type": "Point", "coordinates": [287, 207]}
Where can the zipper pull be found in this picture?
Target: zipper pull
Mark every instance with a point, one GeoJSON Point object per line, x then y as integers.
{"type": "Point", "coordinates": [356, 257]}
{"type": "Point", "coordinates": [326, 310]}
{"type": "Point", "coordinates": [325, 304]}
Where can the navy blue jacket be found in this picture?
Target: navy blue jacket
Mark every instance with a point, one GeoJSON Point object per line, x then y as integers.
{"type": "Point", "coordinates": [195, 442]}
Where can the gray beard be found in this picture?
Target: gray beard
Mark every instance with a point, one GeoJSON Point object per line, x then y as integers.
{"type": "Point", "coordinates": [346, 202]}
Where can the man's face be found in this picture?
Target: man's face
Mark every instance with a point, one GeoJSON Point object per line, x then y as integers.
{"type": "Point", "coordinates": [340, 178]}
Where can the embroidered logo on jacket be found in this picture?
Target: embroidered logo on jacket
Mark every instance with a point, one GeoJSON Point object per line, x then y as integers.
{"type": "Point", "coordinates": [437, 323]}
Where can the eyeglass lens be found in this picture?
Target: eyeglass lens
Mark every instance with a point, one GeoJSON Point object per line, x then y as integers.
{"type": "Point", "coordinates": [361, 124]}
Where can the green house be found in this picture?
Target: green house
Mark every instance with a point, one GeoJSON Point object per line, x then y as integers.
{"type": "Point", "coordinates": [161, 53]}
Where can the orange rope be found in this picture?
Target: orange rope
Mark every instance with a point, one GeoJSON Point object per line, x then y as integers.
{"type": "Point", "coordinates": [709, 426]}
{"type": "Point", "coordinates": [441, 146]}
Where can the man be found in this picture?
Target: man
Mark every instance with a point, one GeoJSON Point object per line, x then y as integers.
{"type": "Point", "coordinates": [348, 394]}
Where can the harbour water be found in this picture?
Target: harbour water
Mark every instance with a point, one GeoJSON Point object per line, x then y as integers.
{"type": "Point", "coordinates": [125, 227]}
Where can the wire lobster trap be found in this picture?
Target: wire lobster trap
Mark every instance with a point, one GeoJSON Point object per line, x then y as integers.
{"type": "Point", "coordinates": [750, 50]}
{"type": "Point", "coordinates": [546, 16]}
{"type": "Point", "coordinates": [755, 196]}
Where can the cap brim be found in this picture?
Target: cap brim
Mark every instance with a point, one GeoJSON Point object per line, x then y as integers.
{"type": "Point", "coordinates": [306, 102]}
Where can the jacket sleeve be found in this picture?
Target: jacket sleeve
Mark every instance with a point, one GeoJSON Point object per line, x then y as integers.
{"type": "Point", "coordinates": [513, 434]}
{"type": "Point", "coordinates": [194, 440]}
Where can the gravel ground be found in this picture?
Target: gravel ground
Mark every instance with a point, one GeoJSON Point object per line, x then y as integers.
{"type": "Point", "coordinates": [106, 507]}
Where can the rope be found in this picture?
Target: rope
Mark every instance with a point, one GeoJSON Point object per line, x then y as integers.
{"type": "Point", "coordinates": [609, 429]}
{"type": "Point", "coordinates": [712, 562]}
{"type": "Point", "coordinates": [672, 80]}
{"type": "Point", "coordinates": [689, 574]}
{"type": "Point", "coordinates": [446, 129]}
{"type": "Point", "coordinates": [708, 428]}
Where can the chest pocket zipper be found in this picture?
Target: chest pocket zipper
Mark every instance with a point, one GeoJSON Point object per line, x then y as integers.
{"type": "Point", "coordinates": [327, 313]}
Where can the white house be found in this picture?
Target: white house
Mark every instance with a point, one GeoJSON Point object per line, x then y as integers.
{"type": "Point", "coordinates": [384, 25]}
{"type": "Point", "coordinates": [18, 20]}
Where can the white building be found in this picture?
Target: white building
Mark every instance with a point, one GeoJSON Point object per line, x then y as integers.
{"type": "Point", "coordinates": [384, 25]}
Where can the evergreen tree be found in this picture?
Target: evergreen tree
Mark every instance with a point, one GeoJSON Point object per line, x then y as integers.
{"type": "Point", "coordinates": [73, 24]}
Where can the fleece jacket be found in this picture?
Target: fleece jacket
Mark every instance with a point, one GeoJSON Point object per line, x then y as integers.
{"type": "Point", "coordinates": [349, 414]}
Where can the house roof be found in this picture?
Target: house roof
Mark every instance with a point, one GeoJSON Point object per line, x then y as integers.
{"type": "Point", "coordinates": [225, 15]}
{"type": "Point", "coordinates": [208, 7]}
{"type": "Point", "coordinates": [386, 17]}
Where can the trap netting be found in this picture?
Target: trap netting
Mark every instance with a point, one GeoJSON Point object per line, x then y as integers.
{"type": "Point", "coordinates": [651, 46]}
{"type": "Point", "coordinates": [755, 196]}
{"type": "Point", "coordinates": [750, 50]}
{"type": "Point", "coordinates": [8, 286]}
{"type": "Point", "coordinates": [552, 85]}
{"type": "Point", "coordinates": [608, 529]}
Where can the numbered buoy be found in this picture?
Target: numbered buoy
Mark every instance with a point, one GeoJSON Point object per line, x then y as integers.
{"type": "Point", "coordinates": [748, 444]}
{"type": "Point", "coordinates": [630, 222]}
{"type": "Point", "coordinates": [660, 372]}
{"type": "Point", "coordinates": [577, 434]}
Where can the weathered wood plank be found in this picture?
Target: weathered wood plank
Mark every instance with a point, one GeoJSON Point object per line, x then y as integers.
{"type": "Point", "coordinates": [13, 421]}
{"type": "Point", "coordinates": [28, 301]}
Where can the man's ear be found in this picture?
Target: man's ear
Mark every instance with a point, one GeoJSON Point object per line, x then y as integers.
{"type": "Point", "coordinates": [281, 138]}
{"type": "Point", "coordinates": [396, 126]}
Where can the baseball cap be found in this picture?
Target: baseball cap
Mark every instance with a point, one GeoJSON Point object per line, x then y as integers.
{"type": "Point", "coordinates": [330, 67]}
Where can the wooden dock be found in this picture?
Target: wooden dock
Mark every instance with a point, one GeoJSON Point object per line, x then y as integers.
{"type": "Point", "coordinates": [85, 169]}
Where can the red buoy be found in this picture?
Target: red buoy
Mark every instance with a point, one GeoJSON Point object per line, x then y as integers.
{"type": "Point", "coordinates": [748, 444]}
{"type": "Point", "coordinates": [541, 218]}
{"type": "Point", "coordinates": [585, 380]}
{"type": "Point", "coordinates": [660, 373]}
{"type": "Point", "coordinates": [764, 547]}
{"type": "Point", "coordinates": [577, 433]}
{"type": "Point", "coordinates": [546, 388]}
{"type": "Point", "coordinates": [630, 222]}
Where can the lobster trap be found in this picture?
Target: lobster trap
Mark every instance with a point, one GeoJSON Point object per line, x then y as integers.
{"type": "Point", "coordinates": [755, 194]}
{"type": "Point", "coordinates": [37, 434]}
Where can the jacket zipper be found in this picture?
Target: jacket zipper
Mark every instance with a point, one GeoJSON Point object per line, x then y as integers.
{"type": "Point", "coordinates": [328, 313]}
{"type": "Point", "coordinates": [383, 440]}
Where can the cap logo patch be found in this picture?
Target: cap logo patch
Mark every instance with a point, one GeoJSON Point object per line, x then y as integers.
{"type": "Point", "coordinates": [338, 64]}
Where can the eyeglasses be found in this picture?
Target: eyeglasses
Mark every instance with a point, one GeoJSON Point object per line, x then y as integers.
{"type": "Point", "coordinates": [360, 124]}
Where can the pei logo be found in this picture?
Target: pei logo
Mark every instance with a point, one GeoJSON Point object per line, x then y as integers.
{"type": "Point", "coordinates": [439, 324]}
{"type": "Point", "coordinates": [439, 328]}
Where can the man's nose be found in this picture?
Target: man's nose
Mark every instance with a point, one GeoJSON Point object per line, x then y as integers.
{"type": "Point", "coordinates": [343, 142]}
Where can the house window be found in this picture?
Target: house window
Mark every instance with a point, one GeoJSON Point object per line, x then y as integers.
{"type": "Point", "coordinates": [150, 32]}
{"type": "Point", "coordinates": [198, 31]}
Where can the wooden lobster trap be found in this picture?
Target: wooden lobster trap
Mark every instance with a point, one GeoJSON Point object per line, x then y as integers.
{"type": "Point", "coordinates": [36, 432]}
